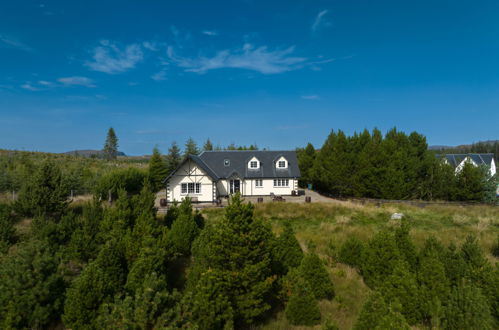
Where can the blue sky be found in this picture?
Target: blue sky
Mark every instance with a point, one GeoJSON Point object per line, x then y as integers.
{"type": "Point", "coordinates": [275, 73]}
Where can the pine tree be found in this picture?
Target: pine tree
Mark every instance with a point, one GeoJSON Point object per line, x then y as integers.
{"type": "Point", "coordinates": [31, 287]}
{"type": "Point", "coordinates": [208, 146]}
{"type": "Point", "coordinates": [191, 148]}
{"type": "Point", "coordinates": [405, 245]}
{"type": "Point", "coordinates": [306, 158]}
{"type": "Point", "coordinates": [111, 145]}
{"type": "Point", "coordinates": [351, 252]}
{"type": "Point", "coordinates": [467, 308]}
{"type": "Point", "coordinates": [288, 251]}
{"type": "Point", "coordinates": [99, 281]}
{"type": "Point", "coordinates": [302, 307]}
{"type": "Point", "coordinates": [7, 231]}
{"type": "Point", "coordinates": [435, 288]}
{"type": "Point", "coordinates": [45, 194]}
{"type": "Point", "coordinates": [158, 170]}
{"type": "Point", "coordinates": [239, 248]}
{"type": "Point", "coordinates": [184, 229]}
{"type": "Point", "coordinates": [379, 258]}
{"type": "Point", "coordinates": [401, 285]}
{"type": "Point", "coordinates": [173, 158]}
{"type": "Point", "coordinates": [373, 310]}
{"type": "Point", "coordinates": [315, 274]}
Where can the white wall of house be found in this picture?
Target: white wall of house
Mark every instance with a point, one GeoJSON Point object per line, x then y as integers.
{"type": "Point", "coordinates": [190, 173]}
{"type": "Point", "coordinates": [249, 187]}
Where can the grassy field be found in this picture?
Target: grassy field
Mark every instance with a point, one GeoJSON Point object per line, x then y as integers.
{"type": "Point", "coordinates": [325, 226]}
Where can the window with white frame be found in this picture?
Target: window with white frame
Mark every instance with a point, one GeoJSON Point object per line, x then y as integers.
{"type": "Point", "coordinates": [190, 188]}
{"type": "Point", "coordinates": [281, 182]}
{"type": "Point", "coordinates": [258, 183]}
{"type": "Point", "coordinates": [281, 164]}
{"type": "Point", "coordinates": [253, 164]}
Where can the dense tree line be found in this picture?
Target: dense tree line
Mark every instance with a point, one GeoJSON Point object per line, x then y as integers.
{"type": "Point", "coordinates": [393, 166]}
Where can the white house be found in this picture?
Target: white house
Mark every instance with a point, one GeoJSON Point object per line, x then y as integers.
{"type": "Point", "coordinates": [216, 174]}
{"type": "Point", "coordinates": [458, 161]}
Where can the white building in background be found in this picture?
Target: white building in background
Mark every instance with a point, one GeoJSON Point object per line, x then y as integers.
{"type": "Point", "coordinates": [216, 174]}
{"type": "Point", "coordinates": [458, 161]}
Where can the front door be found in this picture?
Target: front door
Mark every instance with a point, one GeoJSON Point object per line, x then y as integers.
{"type": "Point", "coordinates": [235, 186]}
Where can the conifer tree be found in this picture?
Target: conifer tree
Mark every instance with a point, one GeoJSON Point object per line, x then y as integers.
{"type": "Point", "coordinates": [99, 281]}
{"type": "Point", "coordinates": [405, 245]}
{"type": "Point", "coordinates": [7, 231]}
{"type": "Point", "coordinates": [467, 308]}
{"type": "Point", "coordinates": [306, 158]}
{"type": "Point", "coordinates": [111, 145]}
{"type": "Point", "coordinates": [302, 307]}
{"type": "Point", "coordinates": [239, 248]}
{"type": "Point", "coordinates": [379, 258]}
{"type": "Point", "coordinates": [315, 274]}
{"type": "Point", "coordinates": [45, 194]}
{"type": "Point", "coordinates": [401, 285]}
{"type": "Point", "coordinates": [173, 158]}
{"type": "Point", "coordinates": [373, 310]}
{"type": "Point", "coordinates": [191, 148]}
{"type": "Point", "coordinates": [208, 146]}
{"type": "Point", "coordinates": [288, 251]}
{"type": "Point", "coordinates": [31, 287]}
{"type": "Point", "coordinates": [351, 252]}
{"type": "Point", "coordinates": [158, 170]}
{"type": "Point", "coordinates": [435, 288]}
{"type": "Point", "coordinates": [184, 229]}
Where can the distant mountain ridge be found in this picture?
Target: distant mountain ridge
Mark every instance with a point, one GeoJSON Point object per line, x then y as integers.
{"type": "Point", "coordinates": [89, 153]}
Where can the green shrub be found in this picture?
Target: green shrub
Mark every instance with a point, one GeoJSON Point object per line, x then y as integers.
{"type": "Point", "coordinates": [495, 248]}
{"type": "Point", "coordinates": [184, 229]}
{"type": "Point", "coordinates": [302, 307]}
{"type": "Point", "coordinates": [312, 270]}
{"type": "Point", "coordinates": [351, 252]}
{"type": "Point", "coordinates": [129, 179]}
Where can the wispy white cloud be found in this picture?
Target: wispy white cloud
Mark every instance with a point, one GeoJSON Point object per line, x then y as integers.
{"type": "Point", "coordinates": [29, 86]}
{"type": "Point", "coordinates": [210, 33]}
{"type": "Point", "coordinates": [109, 58]}
{"type": "Point", "coordinates": [160, 75]}
{"type": "Point", "coordinates": [11, 42]}
{"type": "Point", "coordinates": [313, 97]}
{"type": "Point", "coordinates": [259, 59]}
{"type": "Point", "coordinates": [320, 21]}
{"type": "Point", "coordinates": [76, 80]}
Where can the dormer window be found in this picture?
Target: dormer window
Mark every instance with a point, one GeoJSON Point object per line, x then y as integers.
{"type": "Point", "coordinates": [226, 162]}
{"type": "Point", "coordinates": [281, 163]}
{"type": "Point", "coordinates": [254, 164]}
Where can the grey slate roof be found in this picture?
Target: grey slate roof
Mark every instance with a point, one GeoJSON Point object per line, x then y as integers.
{"type": "Point", "coordinates": [479, 159]}
{"type": "Point", "coordinates": [214, 161]}
{"type": "Point", "coordinates": [200, 163]}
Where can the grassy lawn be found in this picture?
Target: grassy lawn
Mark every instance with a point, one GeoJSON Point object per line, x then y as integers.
{"type": "Point", "coordinates": [325, 226]}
